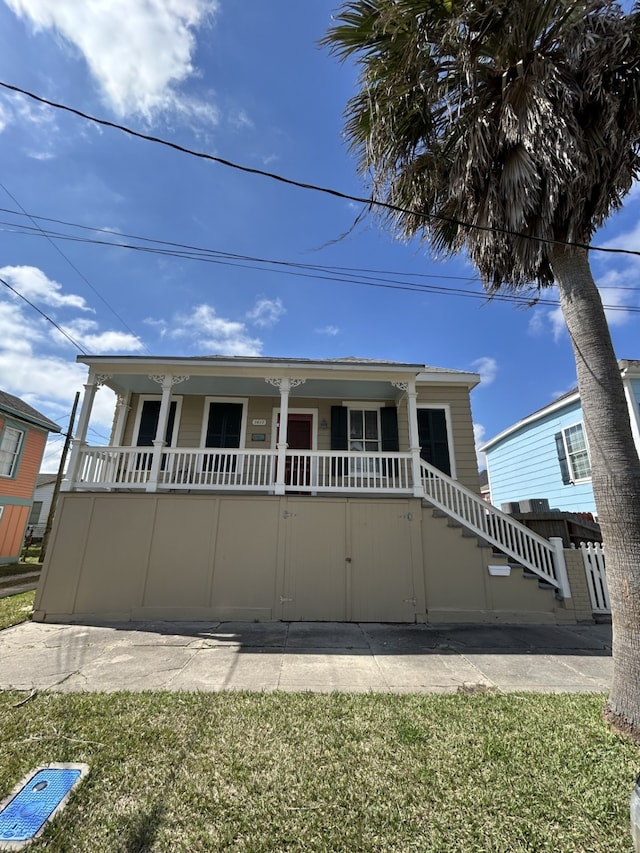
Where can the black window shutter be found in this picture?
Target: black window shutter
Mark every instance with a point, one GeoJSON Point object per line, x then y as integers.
{"type": "Point", "coordinates": [562, 459]}
{"type": "Point", "coordinates": [149, 423]}
{"type": "Point", "coordinates": [434, 443]}
{"type": "Point", "coordinates": [224, 425]}
{"type": "Point", "coordinates": [389, 424]}
{"type": "Point", "coordinates": [339, 439]}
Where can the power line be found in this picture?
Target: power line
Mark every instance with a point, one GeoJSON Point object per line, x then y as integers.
{"type": "Point", "coordinates": [71, 264]}
{"type": "Point", "coordinates": [371, 202]}
{"type": "Point", "coordinates": [220, 253]}
{"type": "Point", "coordinates": [46, 316]}
{"type": "Point", "coordinates": [320, 272]}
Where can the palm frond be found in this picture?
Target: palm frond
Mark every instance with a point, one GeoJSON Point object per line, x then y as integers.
{"type": "Point", "coordinates": [513, 115]}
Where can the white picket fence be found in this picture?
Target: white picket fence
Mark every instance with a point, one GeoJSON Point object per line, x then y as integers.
{"type": "Point", "coordinates": [594, 569]}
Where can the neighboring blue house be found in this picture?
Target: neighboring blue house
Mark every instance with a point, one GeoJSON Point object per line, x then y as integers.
{"type": "Point", "coordinates": [546, 454]}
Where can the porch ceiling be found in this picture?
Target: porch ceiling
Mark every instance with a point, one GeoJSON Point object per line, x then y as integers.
{"type": "Point", "coordinates": [237, 386]}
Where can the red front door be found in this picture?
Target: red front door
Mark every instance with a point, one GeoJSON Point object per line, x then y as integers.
{"type": "Point", "coordinates": [299, 437]}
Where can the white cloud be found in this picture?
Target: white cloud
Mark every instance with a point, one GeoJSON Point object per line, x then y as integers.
{"type": "Point", "coordinates": [27, 111]}
{"type": "Point", "coordinates": [32, 283]}
{"type": "Point", "coordinates": [545, 319]}
{"type": "Point", "coordinates": [214, 334]}
{"type": "Point", "coordinates": [40, 155]}
{"type": "Point", "coordinates": [86, 333]}
{"type": "Point", "coordinates": [240, 120]}
{"type": "Point", "coordinates": [331, 331]}
{"type": "Point", "coordinates": [16, 334]}
{"type": "Point", "coordinates": [266, 312]}
{"type": "Point", "coordinates": [137, 50]}
{"type": "Point", "coordinates": [487, 368]}
{"type": "Point", "coordinates": [615, 295]}
{"type": "Point", "coordinates": [161, 325]}
{"type": "Point", "coordinates": [4, 116]}
{"type": "Point", "coordinates": [478, 436]}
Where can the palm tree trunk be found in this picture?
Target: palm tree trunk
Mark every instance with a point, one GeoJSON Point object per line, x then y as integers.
{"type": "Point", "coordinates": [615, 474]}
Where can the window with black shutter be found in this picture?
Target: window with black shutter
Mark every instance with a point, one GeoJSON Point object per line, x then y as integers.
{"type": "Point", "coordinates": [434, 439]}
{"type": "Point", "coordinates": [224, 429]}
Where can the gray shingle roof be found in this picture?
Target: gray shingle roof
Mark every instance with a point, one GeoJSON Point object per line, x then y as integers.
{"type": "Point", "coordinates": [18, 408]}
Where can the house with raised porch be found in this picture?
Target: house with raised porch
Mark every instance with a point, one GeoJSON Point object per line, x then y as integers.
{"type": "Point", "coordinates": [240, 488]}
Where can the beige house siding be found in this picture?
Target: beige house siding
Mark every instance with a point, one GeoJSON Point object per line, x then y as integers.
{"type": "Point", "coordinates": [132, 556]}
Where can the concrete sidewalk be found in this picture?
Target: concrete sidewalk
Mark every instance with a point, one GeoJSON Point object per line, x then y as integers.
{"type": "Point", "coordinates": [320, 657]}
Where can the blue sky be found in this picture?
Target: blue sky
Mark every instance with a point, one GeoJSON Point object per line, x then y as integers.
{"type": "Point", "coordinates": [246, 82]}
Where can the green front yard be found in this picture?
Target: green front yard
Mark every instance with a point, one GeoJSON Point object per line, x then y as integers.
{"type": "Point", "coordinates": [303, 772]}
{"type": "Point", "coordinates": [15, 608]}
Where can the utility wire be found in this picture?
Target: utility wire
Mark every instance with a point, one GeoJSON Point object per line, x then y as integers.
{"type": "Point", "coordinates": [326, 273]}
{"type": "Point", "coordinates": [71, 264]}
{"type": "Point", "coordinates": [46, 316]}
{"type": "Point", "coordinates": [370, 202]}
{"type": "Point", "coordinates": [220, 253]}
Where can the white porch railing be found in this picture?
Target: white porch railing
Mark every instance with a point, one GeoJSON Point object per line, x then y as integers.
{"type": "Point", "coordinates": [217, 469]}
{"type": "Point", "coordinates": [532, 551]}
{"type": "Point", "coordinates": [211, 469]}
{"type": "Point", "coordinates": [594, 569]}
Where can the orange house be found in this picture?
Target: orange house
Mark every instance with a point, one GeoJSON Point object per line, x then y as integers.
{"type": "Point", "coordinates": [23, 436]}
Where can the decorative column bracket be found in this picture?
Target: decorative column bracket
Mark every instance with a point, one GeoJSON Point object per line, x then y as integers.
{"type": "Point", "coordinates": [175, 380]}
{"type": "Point", "coordinates": [281, 382]}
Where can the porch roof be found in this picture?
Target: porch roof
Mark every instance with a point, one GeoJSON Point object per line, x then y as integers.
{"type": "Point", "coordinates": [361, 379]}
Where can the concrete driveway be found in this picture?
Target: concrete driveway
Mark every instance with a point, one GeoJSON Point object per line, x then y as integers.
{"type": "Point", "coordinates": [320, 657]}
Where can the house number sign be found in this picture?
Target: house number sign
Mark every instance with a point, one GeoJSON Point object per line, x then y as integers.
{"type": "Point", "coordinates": [258, 422]}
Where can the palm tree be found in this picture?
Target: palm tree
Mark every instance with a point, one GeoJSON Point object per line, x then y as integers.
{"type": "Point", "coordinates": [510, 129]}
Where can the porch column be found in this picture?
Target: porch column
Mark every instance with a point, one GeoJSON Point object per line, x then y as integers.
{"type": "Point", "coordinates": [122, 409]}
{"type": "Point", "coordinates": [95, 381]}
{"type": "Point", "coordinates": [167, 383]}
{"type": "Point", "coordinates": [285, 385]}
{"type": "Point", "coordinates": [414, 439]}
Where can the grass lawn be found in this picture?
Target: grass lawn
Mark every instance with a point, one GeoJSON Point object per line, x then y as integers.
{"type": "Point", "coordinates": [301, 772]}
{"type": "Point", "coordinates": [15, 608]}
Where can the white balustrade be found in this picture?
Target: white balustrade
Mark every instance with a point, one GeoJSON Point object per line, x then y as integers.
{"type": "Point", "coordinates": [228, 468]}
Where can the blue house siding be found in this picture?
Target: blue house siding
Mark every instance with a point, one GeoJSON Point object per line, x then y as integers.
{"type": "Point", "coordinates": [525, 465]}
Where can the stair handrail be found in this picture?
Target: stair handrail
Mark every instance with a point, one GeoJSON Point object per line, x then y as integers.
{"type": "Point", "coordinates": [531, 550]}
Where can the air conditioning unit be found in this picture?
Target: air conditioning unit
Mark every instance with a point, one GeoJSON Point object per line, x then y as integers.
{"type": "Point", "coordinates": [534, 505]}
{"type": "Point", "coordinates": [511, 506]}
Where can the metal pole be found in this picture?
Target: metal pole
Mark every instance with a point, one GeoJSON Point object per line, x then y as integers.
{"type": "Point", "coordinates": [56, 488]}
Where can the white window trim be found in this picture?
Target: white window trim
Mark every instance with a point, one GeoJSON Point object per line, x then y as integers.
{"type": "Point", "coordinates": [294, 411]}
{"type": "Point", "coordinates": [244, 401]}
{"type": "Point", "coordinates": [23, 433]}
{"type": "Point", "coordinates": [364, 406]}
{"type": "Point", "coordinates": [448, 422]}
{"type": "Point", "coordinates": [158, 397]}
{"type": "Point", "coordinates": [574, 480]}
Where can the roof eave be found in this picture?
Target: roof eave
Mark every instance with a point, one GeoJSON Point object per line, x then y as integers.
{"type": "Point", "coordinates": [536, 416]}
